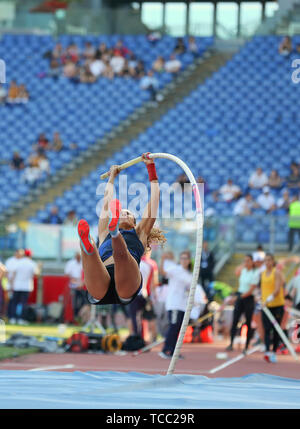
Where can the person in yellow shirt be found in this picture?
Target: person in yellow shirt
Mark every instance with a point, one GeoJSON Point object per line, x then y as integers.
{"type": "Point", "coordinates": [272, 296]}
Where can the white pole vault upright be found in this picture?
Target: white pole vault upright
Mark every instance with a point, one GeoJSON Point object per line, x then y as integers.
{"type": "Point", "coordinates": [199, 238]}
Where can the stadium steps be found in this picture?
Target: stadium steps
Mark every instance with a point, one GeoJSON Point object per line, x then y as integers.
{"type": "Point", "coordinates": [227, 273]}
{"type": "Point", "coordinates": [119, 137]}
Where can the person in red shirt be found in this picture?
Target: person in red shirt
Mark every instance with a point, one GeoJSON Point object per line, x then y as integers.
{"type": "Point", "coordinates": [121, 50]}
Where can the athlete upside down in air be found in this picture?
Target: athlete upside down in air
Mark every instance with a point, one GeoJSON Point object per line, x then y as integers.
{"type": "Point", "coordinates": [112, 272]}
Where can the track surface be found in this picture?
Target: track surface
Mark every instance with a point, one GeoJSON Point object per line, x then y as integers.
{"type": "Point", "coordinates": [199, 359]}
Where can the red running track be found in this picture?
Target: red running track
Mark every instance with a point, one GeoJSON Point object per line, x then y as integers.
{"type": "Point", "coordinates": [199, 359]}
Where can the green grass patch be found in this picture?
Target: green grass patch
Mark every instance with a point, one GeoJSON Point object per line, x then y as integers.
{"type": "Point", "coordinates": [12, 352]}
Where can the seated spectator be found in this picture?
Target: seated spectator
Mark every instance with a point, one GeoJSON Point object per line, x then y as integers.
{"type": "Point", "coordinates": [57, 52]}
{"type": "Point", "coordinates": [203, 184]}
{"type": "Point", "coordinates": [182, 179]}
{"type": "Point", "coordinates": [159, 65]}
{"type": "Point", "coordinates": [108, 72]}
{"type": "Point", "coordinates": [258, 179]}
{"type": "Point", "coordinates": [150, 83]}
{"type": "Point", "coordinates": [285, 47]}
{"type": "Point", "coordinates": [121, 50]}
{"type": "Point", "coordinates": [85, 74]}
{"type": "Point", "coordinates": [70, 70]}
{"type": "Point", "coordinates": [284, 201]}
{"type": "Point", "coordinates": [13, 92]}
{"type": "Point", "coordinates": [32, 174]}
{"type": "Point", "coordinates": [266, 201]}
{"type": "Point", "coordinates": [97, 66]}
{"type": "Point", "coordinates": [275, 181]}
{"type": "Point", "coordinates": [54, 217]}
{"type": "Point", "coordinates": [71, 54]}
{"type": "Point", "coordinates": [132, 65]}
{"type": "Point", "coordinates": [293, 180]}
{"type": "Point", "coordinates": [102, 50]}
{"type": "Point", "coordinates": [154, 37]}
{"type": "Point", "coordinates": [228, 192]}
{"type": "Point", "coordinates": [44, 164]}
{"type": "Point", "coordinates": [117, 63]}
{"type": "Point", "coordinates": [173, 65]}
{"type": "Point", "coordinates": [43, 142]}
{"type": "Point", "coordinates": [71, 218]}
{"type": "Point", "coordinates": [192, 46]}
{"type": "Point", "coordinates": [57, 143]}
{"type": "Point", "coordinates": [89, 51]}
{"type": "Point", "coordinates": [23, 95]}
{"type": "Point", "coordinates": [17, 162]}
{"type": "Point", "coordinates": [245, 206]}
{"type": "Point", "coordinates": [180, 47]}
{"type": "Point", "coordinates": [55, 68]}
{"type": "Point", "coordinates": [140, 70]}
{"type": "Point", "coordinates": [3, 94]}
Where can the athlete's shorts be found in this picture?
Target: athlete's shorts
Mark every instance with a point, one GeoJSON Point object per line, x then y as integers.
{"type": "Point", "coordinates": [111, 296]}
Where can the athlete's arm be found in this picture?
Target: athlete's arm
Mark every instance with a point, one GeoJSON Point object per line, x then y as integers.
{"type": "Point", "coordinates": [143, 229]}
{"type": "Point", "coordinates": [278, 283]}
{"type": "Point", "coordinates": [108, 196]}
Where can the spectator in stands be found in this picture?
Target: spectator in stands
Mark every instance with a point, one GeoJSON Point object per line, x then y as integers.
{"type": "Point", "coordinates": [275, 181]}
{"type": "Point", "coordinates": [117, 63]}
{"type": "Point", "coordinates": [182, 179]}
{"type": "Point", "coordinates": [43, 164]}
{"type": "Point", "coordinates": [57, 52]}
{"type": "Point", "coordinates": [228, 192]}
{"type": "Point", "coordinates": [17, 162]}
{"type": "Point", "coordinates": [285, 47]}
{"type": "Point", "coordinates": [150, 83]}
{"type": "Point", "coordinates": [245, 206]}
{"type": "Point", "coordinates": [89, 51]}
{"type": "Point", "coordinates": [121, 50]}
{"type": "Point", "coordinates": [85, 74]}
{"type": "Point", "coordinates": [102, 50]}
{"type": "Point", "coordinates": [159, 65]}
{"type": "Point", "coordinates": [13, 92]}
{"type": "Point", "coordinates": [154, 37]}
{"type": "Point", "coordinates": [132, 65]}
{"type": "Point", "coordinates": [70, 70]}
{"type": "Point", "coordinates": [179, 47]}
{"type": "Point", "coordinates": [203, 186]}
{"type": "Point", "coordinates": [31, 174]}
{"type": "Point", "coordinates": [42, 142]}
{"type": "Point", "coordinates": [293, 180]}
{"type": "Point", "coordinates": [140, 70]}
{"type": "Point", "coordinates": [57, 143]}
{"type": "Point", "coordinates": [284, 201]}
{"type": "Point", "coordinates": [266, 200]}
{"type": "Point", "coordinates": [3, 94]}
{"type": "Point", "coordinates": [23, 94]}
{"type": "Point", "coordinates": [294, 221]}
{"type": "Point", "coordinates": [173, 65]}
{"type": "Point", "coordinates": [108, 72]}
{"type": "Point", "coordinates": [207, 266]}
{"type": "Point", "coordinates": [73, 269]}
{"type": "Point", "coordinates": [71, 54]}
{"type": "Point", "coordinates": [97, 66]}
{"type": "Point", "coordinates": [71, 218]}
{"type": "Point", "coordinates": [55, 68]}
{"type": "Point", "coordinates": [24, 271]}
{"type": "Point", "coordinates": [54, 217]}
{"type": "Point", "coordinates": [192, 46]}
{"type": "Point", "coordinates": [258, 179]}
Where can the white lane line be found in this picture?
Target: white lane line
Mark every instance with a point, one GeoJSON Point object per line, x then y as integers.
{"type": "Point", "coordinates": [233, 360]}
{"type": "Point", "coordinates": [49, 368]}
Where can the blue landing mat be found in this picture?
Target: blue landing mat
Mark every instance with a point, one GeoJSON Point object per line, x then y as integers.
{"type": "Point", "coordinates": [117, 390]}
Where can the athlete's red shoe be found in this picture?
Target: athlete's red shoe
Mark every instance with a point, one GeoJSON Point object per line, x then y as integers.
{"type": "Point", "coordinates": [84, 235]}
{"type": "Point", "coordinates": [114, 213]}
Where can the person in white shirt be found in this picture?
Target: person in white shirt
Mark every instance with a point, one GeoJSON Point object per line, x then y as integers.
{"type": "Point", "coordinates": [244, 206]}
{"type": "Point", "coordinates": [258, 179]}
{"type": "Point", "coordinates": [97, 67]}
{"type": "Point", "coordinates": [266, 201]}
{"type": "Point", "coordinates": [200, 302]}
{"type": "Point", "coordinates": [73, 269]}
{"type": "Point", "coordinates": [22, 282]}
{"type": "Point", "coordinates": [150, 83]}
{"type": "Point", "coordinates": [229, 191]}
{"type": "Point", "coordinates": [10, 264]}
{"type": "Point", "coordinates": [180, 277]}
{"type": "Point", "coordinates": [173, 65]}
{"type": "Point", "coordinates": [117, 63]}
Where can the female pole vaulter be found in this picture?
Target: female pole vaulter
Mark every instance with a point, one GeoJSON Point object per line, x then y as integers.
{"type": "Point", "coordinates": [111, 273]}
